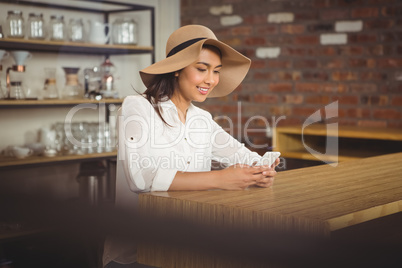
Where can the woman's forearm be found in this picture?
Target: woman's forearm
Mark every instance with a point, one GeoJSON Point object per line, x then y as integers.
{"type": "Point", "coordinates": [195, 181]}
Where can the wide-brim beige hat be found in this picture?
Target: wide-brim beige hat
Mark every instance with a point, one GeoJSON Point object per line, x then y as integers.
{"type": "Point", "coordinates": [183, 48]}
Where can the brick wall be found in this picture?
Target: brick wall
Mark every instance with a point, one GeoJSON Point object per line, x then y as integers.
{"type": "Point", "coordinates": [307, 54]}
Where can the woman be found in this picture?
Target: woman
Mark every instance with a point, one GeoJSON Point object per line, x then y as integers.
{"type": "Point", "coordinates": [197, 66]}
{"type": "Point", "coordinates": [167, 143]}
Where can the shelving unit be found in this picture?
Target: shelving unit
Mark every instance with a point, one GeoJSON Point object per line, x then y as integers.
{"type": "Point", "coordinates": [353, 142]}
{"type": "Point", "coordinates": [55, 102]}
{"type": "Point", "coordinates": [70, 47]}
{"type": "Point", "coordinates": [32, 160]}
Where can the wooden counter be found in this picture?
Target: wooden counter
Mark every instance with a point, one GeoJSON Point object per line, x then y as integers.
{"type": "Point", "coordinates": [316, 200]}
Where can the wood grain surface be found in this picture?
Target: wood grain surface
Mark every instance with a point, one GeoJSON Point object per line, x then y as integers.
{"type": "Point", "coordinates": [314, 201]}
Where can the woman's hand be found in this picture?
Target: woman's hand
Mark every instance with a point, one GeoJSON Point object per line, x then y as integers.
{"type": "Point", "coordinates": [268, 180]}
{"type": "Point", "coordinates": [240, 176]}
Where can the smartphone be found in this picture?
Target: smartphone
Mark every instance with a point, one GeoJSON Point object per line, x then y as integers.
{"type": "Point", "coordinates": [269, 158]}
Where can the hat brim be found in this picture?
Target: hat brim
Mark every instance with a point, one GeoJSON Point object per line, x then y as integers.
{"type": "Point", "coordinates": [234, 66]}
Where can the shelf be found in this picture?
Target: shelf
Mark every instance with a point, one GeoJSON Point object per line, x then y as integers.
{"type": "Point", "coordinates": [352, 142]}
{"type": "Point", "coordinates": [56, 102]}
{"type": "Point", "coordinates": [70, 47]}
{"type": "Point", "coordinates": [14, 162]}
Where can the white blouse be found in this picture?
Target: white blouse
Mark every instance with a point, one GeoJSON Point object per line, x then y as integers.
{"type": "Point", "coordinates": [153, 152]}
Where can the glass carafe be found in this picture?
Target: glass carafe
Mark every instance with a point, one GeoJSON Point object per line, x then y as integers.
{"type": "Point", "coordinates": [72, 89]}
{"type": "Point", "coordinates": [50, 88]}
{"type": "Point", "coordinates": [16, 90]}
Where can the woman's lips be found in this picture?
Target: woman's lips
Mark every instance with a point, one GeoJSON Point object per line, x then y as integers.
{"type": "Point", "coordinates": [203, 90]}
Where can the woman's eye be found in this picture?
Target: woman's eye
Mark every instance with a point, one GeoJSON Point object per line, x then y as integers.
{"type": "Point", "coordinates": [201, 70]}
{"type": "Point", "coordinates": [217, 72]}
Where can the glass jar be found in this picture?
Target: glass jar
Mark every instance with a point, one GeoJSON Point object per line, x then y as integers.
{"type": "Point", "coordinates": [16, 90]}
{"type": "Point", "coordinates": [57, 28]}
{"type": "Point", "coordinates": [36, 26]}
{"type": "Point", "coordinates": [15, 24]}
{"type": "Point", "coordinates": [50, 88]}
{"type": "Point", "coordinates": [124, 31]}
{"type": "Point", "coordinates": [75, 30]}
{"type": "Point", "coordinates": [72, 89]}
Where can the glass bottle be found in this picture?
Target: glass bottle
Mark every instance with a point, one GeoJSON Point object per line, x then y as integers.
{"type": "Point", "coordinates": [15, 24]}
{"type": "Point", "coordinates": [57, 28]}
{"type": "Point", "coordinates": [36, 26]}
{"type": "Point", "coordinates": [75, 30]}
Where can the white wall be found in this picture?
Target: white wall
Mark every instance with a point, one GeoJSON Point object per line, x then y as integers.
{"type": "Point", "coordinates": [17, 124]}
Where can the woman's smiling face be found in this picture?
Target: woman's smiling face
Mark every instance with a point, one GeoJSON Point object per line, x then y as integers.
{"type": "Point", "coordinates": [196, 81]}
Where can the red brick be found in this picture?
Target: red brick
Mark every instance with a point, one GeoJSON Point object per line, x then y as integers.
{"type": "Point", "coordinates": [396, 101]}
{"type": "Point", "coordinates": [333, 63]}
{"type": "Point", "coordinates": [263, 75]}
{"type": "Point", "coordinates": [373, 76]}
{"type": "Point", "coordinates": [324, 3]}
{"type": "Point", "coordinates": [308, 87]}
{"type": "Point", "coordinates": [380, 50]}
{"type": "Point", "coordinates": [349, 100]}
{"type": "Point", "coordinates": [280, 87]}
{"type": "Point", "coordinates": [321, 27]}
{"type": "Point", "coordinates": [378, 24]}
{"type": "Point", "coordinates": [266, 98]}
{"type": "Point", "coordinates": [254, 41]}
{"type": "Point", "coordinates": [371, 123]}
{"type": "Point", "coordinates": [358, 113]}
{"type": "Point", "coordinates": [390, 63]}
{"type": "Point", "coordinates": [296, 51]}
{"type": "Point", "coordinates": [344, 76]}
{"type": "Point", "coordinates": [266, 29]}
{"type": "Point", "coordinates": [351, 50]}
{"type": "Point", "coordinates": [229, 109]}
{"type": "Point", "coordinates": [283, 64]}
{"type": "Point", "coordinates": [306, 40]}
{"type": "Point", "coordinates": [334, 14]}
{"type": "Point", "coordinates": [241, 30]}
{"type": "Point", "coordinates": [361, 63]}
{"type": "Point", "coordinates": [241, 97]}
{"type": "Point", "coordinates": [392, 11]}
{"type": "Point", "coordinates": [325, 51]}
{"type": "Point", "coordinates": [305, 63]}
{"type": "Point", "coordinates": [391, 37]}
{"type": "Point", "coordinates": [294, 76]}
{"type": "Point", "coordinates": [255, 19]}
{"type": "Point", "coordinates": [292, 28]}
{"type": "Point", "coordinates": [362, 38]}
{"type": "Point", "coordinates": [303, 111]}
{"type": "Point", "coordinates": [306, 15]}
{"type": "Point", "coordinates": [334, 88]}
{"type": "Point", "coordinates": [387, 114]}
{"type": "Point", "coordinates": [257, 64]}
{"type": "Point", "coordinates": [316, 75]}
{"type": "Point", "coordinates": [279, 40]}
{"type": "Point", "coordinates": [374, 100]}
{"type": "Point", "coordinates": [293, 99]}
{"type": "Point", "coordinates": [317, 99]}
{"type": "Point", "coordinates": [364, 12]}
{"type": "Point", "coordinates": [363, 88]}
